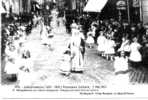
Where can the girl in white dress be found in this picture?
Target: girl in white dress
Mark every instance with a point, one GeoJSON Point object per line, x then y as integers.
{"type": "Point", "coordinates": [101, 43]}
{"type": "Point", "coordinates": [53, 23]}
{"type": "Point", "coordinates": [110, 49]}
{"type": "Point", "coordinates": [121, 63]}
{"type": "Point", "coordinates": [90, 38]}
{"type": "Point", "coordinates": [11, 67]}
{"type": "Point", "coordinates": [121, 70]}
{"type": "Point", "coordinates": [65, 67]}
{"type": "Point", "coordinates": [135, 56]}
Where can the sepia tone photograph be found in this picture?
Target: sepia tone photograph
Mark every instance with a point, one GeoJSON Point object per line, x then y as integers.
{"type": "Point", "coordinates": [50, 42]}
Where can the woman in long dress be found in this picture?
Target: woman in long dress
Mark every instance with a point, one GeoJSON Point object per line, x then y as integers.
{"type": "Point", "coordinates": [135, 57]}
{"type": "Point", "coordinates": [76, 51]}
{"type": "Point", "coordinates": [53, 23]}
{"type": "Point", "coordinates": [44, 35]}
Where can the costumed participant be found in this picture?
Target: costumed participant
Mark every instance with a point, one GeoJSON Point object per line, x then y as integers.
{"type": "Point", "coordinates": [101, 43]}
{"type": "Point", "coordinates": [11, 67]}
{"type": "Point", "coordinates": [74, 27]}
{"type": "Point", "coordinates": [44, 35]}
{"type": "Point", "coordinates": [135, 57]}
{"type": "Point", "coordinates": [110, 49]}
{"type": "Point", "coordinates": [90, 39]}
{"type": "Point", "coordinates": [65, 66]}
{"type": "Point", "coordinates": [76, 51]}
{"type": "Point", "coordinates": [54, 15]}
{"type": "Point", "coordinates": [121, 63]}
{"type": "Point", "coordinates": [121, 70]}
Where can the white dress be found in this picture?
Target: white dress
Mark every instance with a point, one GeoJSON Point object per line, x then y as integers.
{"type": "Point", "coordinates": [11, 66]}
{"type": "Point", "coordinates": [77, 61]}
{"type": "Point", "coordinates": [125, 46]}
{"type": "Point", "coordinates": [44, 36]}
{"type": "Point", "coordinates": [120, 64]}
{"type": "Point", "coordinates": [135, 54]}
{"type": "Point", "coordinates": [74, 27]}
{"type": "Point", "coordinates": [101, 43]}
{"type": "Point", "coordinates": [54, 20]}
{"type": "Point", "coordinates": [110, 47]}
{"type": "Point", "coordinates": [90, 39]}
{"type": "Point", "coordinates": [65, 64]}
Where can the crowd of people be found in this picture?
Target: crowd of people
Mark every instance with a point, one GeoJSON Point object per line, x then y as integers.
{"type": "Point", "coordinates": [16, 54]}
{"type": "Point", "coordinates": [124, 44]}
{"type": "Point", "coordinates": [13, 49]}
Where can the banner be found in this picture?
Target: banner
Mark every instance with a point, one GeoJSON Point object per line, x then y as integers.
{"type": "Point", "coordinates": [95, 5]}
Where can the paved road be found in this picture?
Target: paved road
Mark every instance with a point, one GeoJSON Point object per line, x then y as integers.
{"type": "Point", "coordinates": [47, 62]}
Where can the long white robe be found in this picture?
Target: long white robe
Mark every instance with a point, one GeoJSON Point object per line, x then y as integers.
{"type": "Point", "coordinates": [77, 61]}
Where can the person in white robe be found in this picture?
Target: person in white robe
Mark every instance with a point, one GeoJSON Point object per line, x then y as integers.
{"type": "Point", "coordinates": [76, 51]}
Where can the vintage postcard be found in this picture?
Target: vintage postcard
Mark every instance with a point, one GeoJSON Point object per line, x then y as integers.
{"type": "Point", "coordinates": [74, 49]}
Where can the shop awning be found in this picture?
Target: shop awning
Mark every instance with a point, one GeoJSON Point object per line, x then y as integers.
{"type": "Point", "coordinates": [95, 5]}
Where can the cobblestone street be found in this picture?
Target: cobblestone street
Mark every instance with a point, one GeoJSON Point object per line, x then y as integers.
{"type": "Point", "coordinates": [47, 62]}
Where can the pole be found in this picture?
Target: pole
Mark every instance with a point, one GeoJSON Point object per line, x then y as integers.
{"type": "Point", "coordinates": [120, 16]}
{"type": "Point", "coordinates": [19, 13]}
{"type": "Point", "coordinates": [141, 14]}
{"type": "Point", "coordinates": [128, 11]}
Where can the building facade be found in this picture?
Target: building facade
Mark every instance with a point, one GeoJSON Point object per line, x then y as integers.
{"type": "Point", "coordinates": [144, 14]}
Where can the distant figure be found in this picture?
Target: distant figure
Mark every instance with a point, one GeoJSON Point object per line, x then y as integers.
{"type": "Point", "coordinates": [74, 27]}
{"type": "Point", "coordinates": [90, 39]}
{"type": "Point", "coordinates": [54, 15]}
